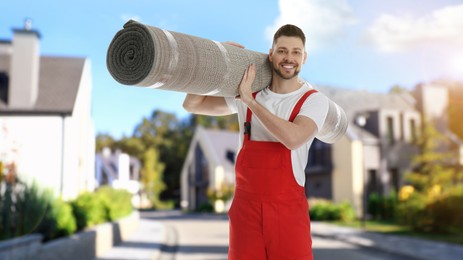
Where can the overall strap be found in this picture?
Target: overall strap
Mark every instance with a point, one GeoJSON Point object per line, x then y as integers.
{"type": "Point", "coordinates": [299, 104]}
{"type": "Point", "coordinates": [247, 123]}
{"type": "Point", "coordinates": [296, 109]}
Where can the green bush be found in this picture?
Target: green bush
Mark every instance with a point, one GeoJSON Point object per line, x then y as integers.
{"type": "Point", "coordinates": [382, 207]}
{"type": "Point", "coordinates": [433, 211]}
{"type": "Point", "coordinates": [25, 209]}
{"type": "Point", "coordinates": [59, 220]}
{"type": "Point", "coordinates": [117, 202]}
{"type": "Point", "coordinates": [89, 210]}
{"type": "Point", "coordinates": [205, 207]}
{"type": "Point", "coordinates": [321, 209]}
{"type": "Point", "coordinates": [22, 208]}
{"type": "Point", "coordinates": [447, 211]}
{"type": "Point", "coordinates": [106, 204]}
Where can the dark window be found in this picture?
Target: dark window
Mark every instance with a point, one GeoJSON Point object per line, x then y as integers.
{"type": "Point", "coordinates": [390, 130]}
{"type": "Point", "coordinates": [372, 184]}
{"type": "Point", "coordinates": [319, 154]}
{"type": "Point", "coordinates": [4, 87]}
{"type": "Point", "coordinates": [395, 178]}
{"type": "Point", "coordinates": [230, 155]}
{"type": "Point", "coordinates": [401, 127]}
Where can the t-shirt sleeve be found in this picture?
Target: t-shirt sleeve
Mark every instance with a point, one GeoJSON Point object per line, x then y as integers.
{"type": "Point", "coordinates": [231, 103]}
{"type": "Point", "coordinates": [316, 108]}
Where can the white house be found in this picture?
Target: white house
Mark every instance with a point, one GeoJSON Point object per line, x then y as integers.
{"type": "Point", "coordinates": [118, 170]}
{"type": "Point", "coordinates": [46, 126]}
{"type": "Point", "coordinates": [209, 164]}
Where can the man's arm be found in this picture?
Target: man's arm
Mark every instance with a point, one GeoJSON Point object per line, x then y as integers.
{"type": "Point", "coordinates": [206, 105]}
{"type": "Point", "coordinates": [290, 134]}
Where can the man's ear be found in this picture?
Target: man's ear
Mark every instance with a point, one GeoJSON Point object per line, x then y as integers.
{"type": "Point", "coordinates": [270, 52]}
{"type": "Point", "coordinates": [305, 57]}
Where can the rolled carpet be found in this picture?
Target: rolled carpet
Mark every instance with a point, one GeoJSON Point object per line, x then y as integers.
{"type": "Point", "coordinates": [148, 56]}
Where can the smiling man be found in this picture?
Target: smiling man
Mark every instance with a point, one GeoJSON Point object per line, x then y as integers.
{"type": "Point", "coordinates": [269, 216]}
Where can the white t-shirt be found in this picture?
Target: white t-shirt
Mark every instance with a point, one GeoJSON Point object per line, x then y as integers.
{"type": "Point", "coordinates": [315, 107]}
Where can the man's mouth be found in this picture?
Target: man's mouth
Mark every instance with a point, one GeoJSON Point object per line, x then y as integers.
{"type": "Point", "coordinates": [288, 66]}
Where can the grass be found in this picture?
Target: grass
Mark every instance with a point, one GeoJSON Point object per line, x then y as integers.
{"type": "Point", "coordinates": [392, 228]}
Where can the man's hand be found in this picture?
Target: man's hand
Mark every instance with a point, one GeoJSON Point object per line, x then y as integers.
{"type": "Point", "coordinates": [246, 83]}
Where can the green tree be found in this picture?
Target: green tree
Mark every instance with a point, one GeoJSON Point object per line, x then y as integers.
{"type": "Point", "coordinates": [104, 140]}
{"type": "Point", "coordinates": [433, 202]}
{"type": "Point", "coordinates": [397, 89]}
{"type": "Point", "coordinates": [434, 164]}
{"type": "Point", "coordinates": [151, 176]}
{"type": "Point", "coordinates": [229, 122]}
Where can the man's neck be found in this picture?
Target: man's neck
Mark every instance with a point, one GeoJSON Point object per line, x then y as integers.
{"type": "Point", "coordinates": [284, 86]}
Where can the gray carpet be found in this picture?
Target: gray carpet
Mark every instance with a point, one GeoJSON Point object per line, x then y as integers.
{"type": "Point", "coordinates": [148, 56]}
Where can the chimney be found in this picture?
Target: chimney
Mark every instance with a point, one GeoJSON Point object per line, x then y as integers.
{"type": "Point", "coordinates": [433, 101]}
{"type": "Point", "coordinates": [24, 70]}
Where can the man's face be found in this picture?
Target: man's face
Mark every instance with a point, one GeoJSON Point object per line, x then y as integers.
{"type": "Point", "coordinates": [287, 56]}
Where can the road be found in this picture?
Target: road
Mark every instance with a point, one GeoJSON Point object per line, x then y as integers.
{"type": "Point", "coordinates": [205, 237]}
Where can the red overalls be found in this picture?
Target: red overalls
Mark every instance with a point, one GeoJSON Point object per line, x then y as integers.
{"type": "Point", "coordinates": [269, 217]}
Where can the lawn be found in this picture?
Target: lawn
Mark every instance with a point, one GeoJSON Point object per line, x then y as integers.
{"type": "Point", "coordinates": [395, 229]}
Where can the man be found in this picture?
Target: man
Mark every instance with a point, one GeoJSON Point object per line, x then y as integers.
{"type": "Point", "coordinates": [269, 215]}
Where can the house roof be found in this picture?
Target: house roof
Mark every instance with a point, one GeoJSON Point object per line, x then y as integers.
{"type": "Point", "coordinates": [356, 101]}
{"type": "Point", "coordinates": [219, 143]}
{"type": "Point", "coordinates": [59, 80]}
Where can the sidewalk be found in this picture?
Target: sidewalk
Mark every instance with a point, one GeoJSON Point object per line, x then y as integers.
{"type": "Point", "coordinates": [411, 247]}
{"type": "Point", "coordinates": [144, 244]}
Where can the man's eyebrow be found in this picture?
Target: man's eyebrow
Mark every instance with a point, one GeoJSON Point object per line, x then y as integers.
{"type": "Point", "coordinates": [284, 48]}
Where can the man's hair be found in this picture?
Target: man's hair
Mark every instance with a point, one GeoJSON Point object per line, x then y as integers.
{"type": "Point", "coordinates": [290, 31]}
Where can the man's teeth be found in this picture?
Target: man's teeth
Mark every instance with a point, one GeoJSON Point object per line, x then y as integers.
{"type": "Point", "coordinates": [288, 66]}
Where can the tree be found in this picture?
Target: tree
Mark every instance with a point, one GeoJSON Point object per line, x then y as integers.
{"type": "Point", "coordinates": [151, 176]}
{"type": "Point", "coordinates": [397, 89]}
{"type": "Point", "coordinates": [104, 140]}
{"type": "Point", "coordinates": [433, 165]}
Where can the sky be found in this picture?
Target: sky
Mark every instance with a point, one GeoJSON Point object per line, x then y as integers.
{"type": "Point", "coordinates": [362, 45]}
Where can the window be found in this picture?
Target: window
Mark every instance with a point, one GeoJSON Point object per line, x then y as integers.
{"type": "Point", "coordinates": [230, 155]}
{"type": "Point", "coordinates": [4, 87]}
{"type": "Point", "coordinates": [395, 178]}
{"type": "Point", "coordinates": [390, 130]}
{"type": "Point", "coordinates": [319, 154]}
{"type": "Point", "coordinates": [402, 137]}
{"type": "Point", "coordinates": [372, 185]}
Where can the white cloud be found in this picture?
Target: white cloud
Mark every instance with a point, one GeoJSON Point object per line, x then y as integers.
{"type": "Point", "coordinates": [393, 33]}
{"type": "Point", "coordinates": [322, 21]}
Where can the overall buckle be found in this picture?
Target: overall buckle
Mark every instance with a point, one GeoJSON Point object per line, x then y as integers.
{"type": "Point", "coordinates": [247, 128]}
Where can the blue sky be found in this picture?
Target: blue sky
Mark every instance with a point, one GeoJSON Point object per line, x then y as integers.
{"type": "Point", "coordinates": [369, 45]}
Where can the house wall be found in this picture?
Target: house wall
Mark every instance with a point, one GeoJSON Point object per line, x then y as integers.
{"type": "Point", "coordinates": [85, 131]}
{"type": "Point", "coordinates": [79, 143]}
{"type": "Point", "coordinates": [347, 173]}
{"type": "Point", "coordinates": [34, 143]}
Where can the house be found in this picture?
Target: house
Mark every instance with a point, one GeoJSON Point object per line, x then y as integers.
{"type": "Point", "coordinates": [208, 166]}
{"type": "Point", "coordinates": [373, 154]}
{"type": "Point", "coordinates": [46, 127]}
{"type": "Point", "coordinates": [118, 170]}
